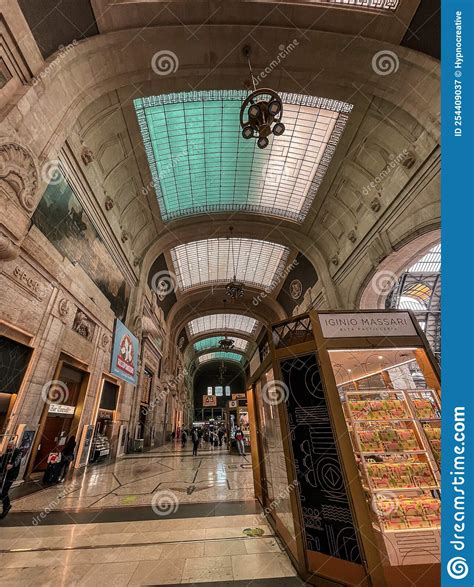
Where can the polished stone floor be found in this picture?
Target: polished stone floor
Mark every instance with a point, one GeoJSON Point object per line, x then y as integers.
{"type": "Point", "coordinates": [159, 518]}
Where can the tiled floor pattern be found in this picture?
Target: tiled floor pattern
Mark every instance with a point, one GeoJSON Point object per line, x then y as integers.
{"type": "Point", "coordinates": [132, 481]}
{"type": "Point", "coordinates": [157, 552]}
{"type": "Point", "coordinates": [165, 548]}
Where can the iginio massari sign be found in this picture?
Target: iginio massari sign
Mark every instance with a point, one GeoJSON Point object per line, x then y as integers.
{"type": "Point", "coordinates": [367, 324]}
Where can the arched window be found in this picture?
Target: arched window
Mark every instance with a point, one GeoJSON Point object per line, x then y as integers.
{"type": "Point", "coordinates": [419, 290]}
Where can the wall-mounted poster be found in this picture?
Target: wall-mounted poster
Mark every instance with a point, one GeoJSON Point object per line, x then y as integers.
{"type": "Point", "coordinates": [62, 219]}
{"type": "Point", "coordinates": [124, 362]}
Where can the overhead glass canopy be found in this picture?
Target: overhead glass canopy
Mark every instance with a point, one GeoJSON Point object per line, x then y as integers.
{"type": "Point", "coordinates": [200, 162]}
{"type": "Point", "coordinates": [222, 322]}
{"type": "Point", "coordinates": [213, 260]}
{"type": "Point", "coordinates": [213, 342]}
{"type": "Point", "coordinates": [429, 263]}
{"type": "Point", "coordinates": [220, 356]}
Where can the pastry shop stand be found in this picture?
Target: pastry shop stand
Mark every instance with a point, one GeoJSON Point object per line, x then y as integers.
{"type": "Point", "coordinates": [347, 447]}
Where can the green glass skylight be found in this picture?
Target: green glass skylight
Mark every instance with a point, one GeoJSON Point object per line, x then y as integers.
{"type": "Point", "coordinates": [220, 356]}
{"type": "Point", "coordinates": [200, 162]}
{"type": "Point", "coordinates": [213, 342]}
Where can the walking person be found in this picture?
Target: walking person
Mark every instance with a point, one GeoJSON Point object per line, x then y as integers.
{"type": "Point", "coordinates": [239, 439]}
{"type": "Point", "coordinates": [220, 434]}
{"type": "Point", "coordinates": [9, 469]}
{"type": "Point", "coordinates": [67, 456]}
{"type": "Point", "coordinates": [195, 439]}
{"type": "Point", "coordinates": [184, 438]}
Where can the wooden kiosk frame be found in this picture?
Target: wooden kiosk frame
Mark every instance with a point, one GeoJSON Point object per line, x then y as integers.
{"type": "Point", "coordinates": [309, 338]}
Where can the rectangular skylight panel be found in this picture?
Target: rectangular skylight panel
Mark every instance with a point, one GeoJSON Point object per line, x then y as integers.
{"type": "Point", "coordinates": [254, 262]}
{"type": "Point", "coordinates": [200, 162]}
{"type": "Point", "coordinates": [213, 342]}
{"type": "Point", "coordinates": [222, 322]}
{"type": "Point", "coordinates": [220, 356]}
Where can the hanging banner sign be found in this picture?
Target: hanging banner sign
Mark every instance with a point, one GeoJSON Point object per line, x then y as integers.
{"type": "Point", "coordinates": [124, 362]}
{"type": "Point", "coordinates": [209, 401]}
{"type": "Point", "coordinates": [239, 396]}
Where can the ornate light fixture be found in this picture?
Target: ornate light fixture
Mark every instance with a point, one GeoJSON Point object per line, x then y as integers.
{"type": "Point", "coordinates": [226, 344]}
{"type": "Point", "coordinates": [234, 289]}
{"type": "Point", "coordinates": [261, 112]}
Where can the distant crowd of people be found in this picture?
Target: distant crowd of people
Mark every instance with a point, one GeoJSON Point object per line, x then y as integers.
{"type": "Point", "coordinates": [212, 435]}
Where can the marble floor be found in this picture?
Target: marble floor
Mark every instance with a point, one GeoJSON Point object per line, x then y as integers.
{"type": "Point", "coordinates": [159, 518]}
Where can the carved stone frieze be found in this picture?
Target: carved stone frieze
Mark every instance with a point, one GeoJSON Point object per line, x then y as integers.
{"type": "Point", "coordinates": [8, 249]}
{"type": "Point", "coordinates": [28, 282]}
{"type": "Point", "coordinates": [18, 174]}
{"type": "Point", "coordinates": [63, 307]}
{"type": "Point", "coordinates": [87, 155]}
{"type": "Point", "coordinates": [83, 325]}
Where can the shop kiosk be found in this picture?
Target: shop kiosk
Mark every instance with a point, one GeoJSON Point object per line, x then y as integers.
{"type": "Point", "coordinates": [348, 413]}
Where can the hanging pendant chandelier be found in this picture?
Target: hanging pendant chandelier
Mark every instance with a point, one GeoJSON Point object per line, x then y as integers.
{"type": "Point", "coordinates": [234, 289]}
{"type": "Point", "coordinates": [261, 112]}
{"type": "Point", "coordinates": [226, 344]}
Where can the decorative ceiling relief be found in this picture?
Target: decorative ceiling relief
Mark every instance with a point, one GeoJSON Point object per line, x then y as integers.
{"type": "Point", "coordinates": [18, 175]}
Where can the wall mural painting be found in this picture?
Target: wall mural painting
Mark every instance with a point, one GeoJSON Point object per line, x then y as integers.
{"type": "Point", "coordinates": [63, 220]}
{"type": "Point", "coordinates": [328, 523]}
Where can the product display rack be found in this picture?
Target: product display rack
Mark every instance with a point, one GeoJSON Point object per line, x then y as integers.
{"type": "Point", "coordinates": [398, 468]}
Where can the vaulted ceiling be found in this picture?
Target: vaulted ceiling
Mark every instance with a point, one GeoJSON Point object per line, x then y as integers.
{"type": "Point", "coordinates": [171, 173]}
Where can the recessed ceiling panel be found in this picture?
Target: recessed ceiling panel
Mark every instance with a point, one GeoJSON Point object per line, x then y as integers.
{"type": "Point", "coordinates": [213, 342]}
{"type": "Point", "coordinates": [222, 322]}
{"type": "Point", "coordinates": [200, 162]}
{"type": "Point", "coordinates": [214, 260]}
{"type": "Point", "coordinates": [220, 356]}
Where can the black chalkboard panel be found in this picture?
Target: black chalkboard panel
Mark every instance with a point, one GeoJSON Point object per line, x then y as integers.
{"type": "Point", "coordinates": [328, 522]}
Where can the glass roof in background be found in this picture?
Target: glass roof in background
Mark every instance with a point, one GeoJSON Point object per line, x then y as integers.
{"type": "Point", "coordinates": [220, 356]}
{"type": "Point", "coordinates": [222, 322]}
{"type": "Point", "coordinates": [213, 342]}
{"type": "Point", "coordinates": [200, 162]}
{"type": "Point", "coordinates": [213, 260]}
{"type": "Point", "coordinates": [429, 263]}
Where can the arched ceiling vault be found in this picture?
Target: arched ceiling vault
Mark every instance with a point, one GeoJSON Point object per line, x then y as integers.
{"type": "Point", "coordinates": [88, 97]}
